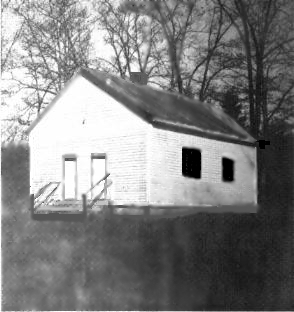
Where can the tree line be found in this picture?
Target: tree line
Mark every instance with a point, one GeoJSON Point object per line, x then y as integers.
{"type": "Point", "coordinates": [235, 53]}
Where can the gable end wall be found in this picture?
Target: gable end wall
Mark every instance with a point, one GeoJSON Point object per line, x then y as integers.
{"type": "Point", "coordinates": [87, 120]}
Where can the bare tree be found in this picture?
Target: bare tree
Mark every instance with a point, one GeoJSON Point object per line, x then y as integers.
{"type": "Point", "coordinates": [204, 57]}
{"type": "Point", "coordinates": [265, 29]}
{"type": "Point", "coordinates": [9, 38]}
{"type": "Point", "coordinates": [126, 34]}
{"type": "Point", "coordinates": [194, 32]}
{"type": "Point", "coordinates": [175, 18]}
{"type": "Point", "coordinates": [232, 105]}
{"type": "Point", "coordinates": [55, 40]}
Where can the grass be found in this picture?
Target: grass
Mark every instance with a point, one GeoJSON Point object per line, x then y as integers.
{"type": "Point", "coordinates": [205, 261]}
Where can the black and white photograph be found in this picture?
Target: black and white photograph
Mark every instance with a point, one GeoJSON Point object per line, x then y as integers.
{"type": "Point", "coordinates": [147, 152]}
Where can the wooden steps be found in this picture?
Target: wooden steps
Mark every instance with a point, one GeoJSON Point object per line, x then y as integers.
{"type": "Point", "coordinates": [69, 207]}
{"type": "Point", "coordinates": [76, 207]}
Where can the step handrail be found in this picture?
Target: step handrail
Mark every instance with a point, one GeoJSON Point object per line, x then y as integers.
{"type": "Point", "coordinates": [50, 194]}
{"type": "Point", "coordinates": [43, 188]}
{"type": "Point", "coordinates": [96, 198]}
{"type": "Point", "coordinates": [102, 179]}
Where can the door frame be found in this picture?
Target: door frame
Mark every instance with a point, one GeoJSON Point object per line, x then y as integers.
{"type": "Point", "coordinates": [64, 157]}
{"type": "Point", "coordinates": [98, 156]}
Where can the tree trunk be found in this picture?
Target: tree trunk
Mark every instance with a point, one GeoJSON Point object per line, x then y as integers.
{"type": "Point", "coordinates": [180, 83]}
{"type": "Point", "coordinates": [176, 67]}
{"type": "Point", "coordinates": [252, 111]}
{"type": "Point", "coordinates": [247, 46]}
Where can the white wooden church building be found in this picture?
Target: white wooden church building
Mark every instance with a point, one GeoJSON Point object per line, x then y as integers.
{"type": "Point", "coordinates": [160, 148]}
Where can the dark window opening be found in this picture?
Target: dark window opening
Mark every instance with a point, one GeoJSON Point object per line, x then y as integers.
{"type": "Point", "coordinates": [191, 163]}
{"type": "Point", "coordinates": [228, 169]}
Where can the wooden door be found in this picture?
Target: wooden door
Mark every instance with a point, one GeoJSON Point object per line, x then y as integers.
{"type": "Point", "coordinates": [70, 178]}
{"type": "Point", "coordinates": [98, 172]}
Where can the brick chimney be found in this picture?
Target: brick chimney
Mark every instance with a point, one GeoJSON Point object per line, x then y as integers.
{"type": "Point", "coordinates": [139, 78]}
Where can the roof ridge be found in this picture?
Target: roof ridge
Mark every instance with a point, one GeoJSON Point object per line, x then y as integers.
{"type": "Point", "coordinates": [151, 104]}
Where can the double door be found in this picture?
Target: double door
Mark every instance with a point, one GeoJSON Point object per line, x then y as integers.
{"type": "Point", "coordinates": [98, 171]}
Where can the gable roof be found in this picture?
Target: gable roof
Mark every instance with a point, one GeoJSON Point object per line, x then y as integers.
{"type": "Point", "coordinates": [167, 110]}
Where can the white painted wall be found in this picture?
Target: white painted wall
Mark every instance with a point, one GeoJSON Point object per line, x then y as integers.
{"type": "Point", "coordinates": [169, 186]}
{"type": "Point", "coordinates": [87, 120]}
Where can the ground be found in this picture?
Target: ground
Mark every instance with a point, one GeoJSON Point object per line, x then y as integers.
{"type": "Point", "coordinates": [205, 261]}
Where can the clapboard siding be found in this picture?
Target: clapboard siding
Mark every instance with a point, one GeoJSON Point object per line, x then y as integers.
{"type": "Point", "coordinates": [169, 186]}
{"type": "Point", "coordinates": [145, 163]}
{"type": "Point", "coordinates": [86, 120]}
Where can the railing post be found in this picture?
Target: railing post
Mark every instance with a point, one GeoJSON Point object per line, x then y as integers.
{"type": "Point", "coordinates": [84, 200]}
{"type": "Point", "coordinates": [32, 204]}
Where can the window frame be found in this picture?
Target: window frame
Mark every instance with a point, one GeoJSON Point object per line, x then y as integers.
{"type": "Point", "coordinates": [232, 169]}
{"type": "Point", "coordinates": [69, 157]}
{"type": "Point", "coordinates": [184, 163]}
{"type": "Point", "coordinates": [98, 156]}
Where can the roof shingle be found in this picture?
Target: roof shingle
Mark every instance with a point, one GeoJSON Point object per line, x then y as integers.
{"type": "Point", "coordinates": [171, 110]}
{"type": "Point", "coordinates": [167, 110]}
